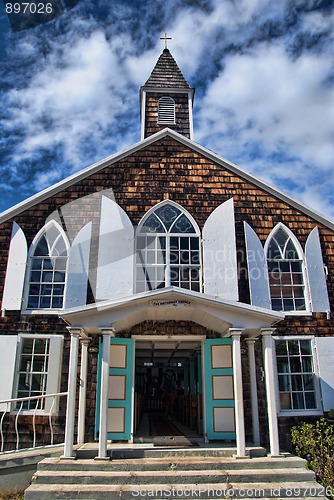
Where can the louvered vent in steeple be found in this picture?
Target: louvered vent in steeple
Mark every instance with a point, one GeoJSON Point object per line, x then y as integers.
{"type": "Point", "coordinates": [166, 111]}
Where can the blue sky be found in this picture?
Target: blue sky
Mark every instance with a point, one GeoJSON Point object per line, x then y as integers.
{"type": "Point", "coordinates": [263, 72]}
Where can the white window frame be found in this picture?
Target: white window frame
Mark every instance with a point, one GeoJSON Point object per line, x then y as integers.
{"type": "Point", "coordinates": [307, 310]}
{"type": "Point", "coordinates": [53, 372]}
{"type": "Point", "coordinates": [32, 248]}
{"type": "Point", "coordinates": [167, 235]}
{"type": "Point", "coordinates": [301, 412]}
{"type": "Point", "coordinates": [166, 101]}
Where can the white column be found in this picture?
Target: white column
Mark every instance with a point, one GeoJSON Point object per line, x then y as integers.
{"type": "Point", "coordinates": [253, 390]}
{"type": "Point", "coordinates": [238, 393]}
{"type": "Point", "coordinates": [107, 333]}
{"type": "Point", "coordinates": [271, 389]}
{"type": "Point", "coordinates": [82, 391]}
{"type": "Point", "coordinates": [72, 387]}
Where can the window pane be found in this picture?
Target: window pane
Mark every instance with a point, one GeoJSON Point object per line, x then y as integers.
{"type": "Point", "coordinates": [307, 364]}
{"type": "Point", "coordinates": [281, 348]}
{"type": "Point", "coordinates": [296, 382]}
{"type": "Point", "coordinates": [305, 347]}
{"type": "Point", "coordinates": [298, 400]}
{"type": "Point", "coordinates": [167, 214]}
{"type": "Point", "coordinates": [310, 400]}
{"type": "Point", "coordinates": [285, 401]}
{"type": "Point", "coordinates": [293, 347]}
{"type": "Point", "coordinates": [295, 365]}
{"type": "Point", "coordinates": [283, 365]}
{"type": "Point", "coordinates": [284, 383]}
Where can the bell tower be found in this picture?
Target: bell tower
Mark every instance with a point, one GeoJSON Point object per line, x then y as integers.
{"type": "Point", "coordinates": [166, 99]}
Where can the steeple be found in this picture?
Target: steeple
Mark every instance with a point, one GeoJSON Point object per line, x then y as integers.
{"type": "Point", "coordinates": [166, 99]}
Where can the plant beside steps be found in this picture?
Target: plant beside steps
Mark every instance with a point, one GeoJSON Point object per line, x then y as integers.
{"type": "Point", "coordinates": [185, 474]}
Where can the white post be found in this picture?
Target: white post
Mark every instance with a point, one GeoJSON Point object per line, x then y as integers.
{"type": "Point", "coordinates": [253, 390]}
{"type": "Point", "coordinates": [270, 372]}
{"type": "Point", "coordinates": [238, 393]}
{"type": "Point", "coordinates": [72, 386]}
{"type": "Point", "coordinates": [107, 333]}
{"type": "Point", "coordinates": [82, 391]}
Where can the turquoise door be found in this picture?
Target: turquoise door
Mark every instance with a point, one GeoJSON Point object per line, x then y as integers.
{"type": "Point", "coordinates": [219, 391]}
{"type": "Point", "coordinates": [120, 390]}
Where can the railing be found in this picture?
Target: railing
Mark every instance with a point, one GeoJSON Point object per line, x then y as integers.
{"type": "Point", "coordinates": [18, 411]}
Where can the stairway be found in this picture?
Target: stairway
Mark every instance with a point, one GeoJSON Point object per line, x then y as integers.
{"type": "Point", "coordinates": [173, 473]}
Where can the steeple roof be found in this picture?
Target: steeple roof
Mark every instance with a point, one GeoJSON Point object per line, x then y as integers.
{"type": "Point", "coordinates": [167, 74]}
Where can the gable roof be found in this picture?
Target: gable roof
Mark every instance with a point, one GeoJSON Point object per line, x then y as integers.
{"type": "Point", "coordinates": [110, 160]}
{"type": "Point", "coordinates": [167, 74]}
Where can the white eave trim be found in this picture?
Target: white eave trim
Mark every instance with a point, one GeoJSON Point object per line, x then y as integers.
{"type": "Point", "coordinates": [176, 294]}
{"type": "Point", "coordinates": [82, 174]}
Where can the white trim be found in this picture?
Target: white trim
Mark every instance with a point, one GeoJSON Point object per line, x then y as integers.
{"type": "Point", "coordinates": [143, 115]}
{"type": "Point", "coordinates": [169, 202]}
{"type": "Point", "coordinates": [302, 412]}
{"type": "Point", "coordinates": [53, 369]}
{"type": "Point", "coordinates": [33, 245]}
{"type": "Point", "coordinates": [238, 392]}
{"type": "Point", "coordinates": [288, 231]}
{"type": "Point", "coordinates": [191, 119]}
{"type": "Point", "coordinates": [82, 174]}
{"type": "Point", "coordinates": [168, 103]}
{"type": "Point", "coordinates": [301, 256]}
{"type": "Point", "coordinates": [13, 290]}
{"type": "Point", "coordinates": [269, 354]}
{"type": "Point", "coordinates": [164, 90]}
{"type": "Point", "coordinates": [72, 389]}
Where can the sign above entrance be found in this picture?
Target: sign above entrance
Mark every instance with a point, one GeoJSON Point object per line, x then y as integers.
{"type": "Point", "coordinates": [170, 303]}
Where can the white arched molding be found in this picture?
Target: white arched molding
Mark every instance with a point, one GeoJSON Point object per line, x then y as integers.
{"type": "Point", "coordinates": [78, 268]}
{"type": "Point", "coordinates": [116, 252]}
{"type": "Point", "coordinates": [168, 253]}
{"type": "Point", "coordinates": [316, 273]}
{"type": "Point", "coordinates": [219, 253]}
{"type": "Point", "coordinates": [16, 270]}
{"type": "Point", "coordinates": [257, 269]}
{"type": "Point", "coordinates": [32, 249]}
{"type": "Point", "coordinates": [301, 256]}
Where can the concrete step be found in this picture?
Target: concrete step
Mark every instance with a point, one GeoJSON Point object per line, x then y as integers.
{"type": "Point", "coordinates": [296, 490]}
{"type": "Point", "coordinates": [90, 452]}
{"type": "Point", "coordinates": [181, 475]}
{"type": "Point", "coordinates": [167, 463]}
{"type": "Point", "coordinates": [174, 476]}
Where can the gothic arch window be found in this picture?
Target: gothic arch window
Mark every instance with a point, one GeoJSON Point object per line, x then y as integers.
{"type": "Point", "coordinates": [285, 262]}
{"type": "Point", "coordinates": [166, 110]}
{"type": "Point", "coordinates": [168, 249]}
{"type": "Point", "coordinates": [47, 268]}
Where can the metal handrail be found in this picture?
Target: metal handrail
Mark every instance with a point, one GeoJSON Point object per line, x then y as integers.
{"type": "Point", "coordinates": [8, 402]}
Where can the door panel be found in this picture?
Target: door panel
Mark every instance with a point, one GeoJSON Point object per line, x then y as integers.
{"type": "Point", "coordinates": [219, 394]}
{"type": "Point", "coordinates": [120, 390]}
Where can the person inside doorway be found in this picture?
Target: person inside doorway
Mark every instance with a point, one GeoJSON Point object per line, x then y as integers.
{"type": "Point", "coordinates": [168, 387]}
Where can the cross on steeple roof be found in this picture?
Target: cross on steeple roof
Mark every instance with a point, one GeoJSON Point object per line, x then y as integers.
{"type": "Point", "coordinates": [165, 38]}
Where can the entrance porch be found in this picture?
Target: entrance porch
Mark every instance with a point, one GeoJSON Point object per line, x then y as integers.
{"type": "Point", "coordinates": [211, 365]}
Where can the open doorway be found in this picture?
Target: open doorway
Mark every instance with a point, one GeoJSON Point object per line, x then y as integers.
{"type": "Point", "coordinates": [168, 388]}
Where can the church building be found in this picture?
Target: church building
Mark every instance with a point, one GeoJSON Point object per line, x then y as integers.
{"type": "Point", "coordinates": [164, 265]}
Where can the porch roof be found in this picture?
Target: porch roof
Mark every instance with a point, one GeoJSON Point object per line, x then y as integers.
{"type": "Point", "coordinates": [171, 304]}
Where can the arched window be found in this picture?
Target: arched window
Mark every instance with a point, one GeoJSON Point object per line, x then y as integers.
{"type": "Point", "coordinates": [48, 263]}
{"type": "Point", "coordinates": [166, 110]}
{"type": "Point", "coordinates": [168, 250]}
{"type": "Point", "coordinates": [285, 268]}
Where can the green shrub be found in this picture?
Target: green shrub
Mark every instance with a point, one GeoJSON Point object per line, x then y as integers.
{"type": "Point", "coordinates": [315, 443]}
